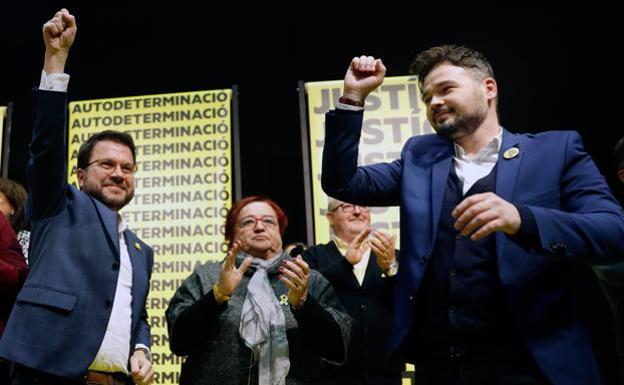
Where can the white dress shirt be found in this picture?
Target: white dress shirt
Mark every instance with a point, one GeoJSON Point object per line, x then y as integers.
{"type": "Point", "coordinates": [470, 169]}
{"type": "Point", "coordinates": [114, 352]}
{"type": "Point", "coordinates": [54, 81]}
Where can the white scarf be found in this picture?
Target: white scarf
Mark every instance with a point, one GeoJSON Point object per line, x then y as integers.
{"type": "Point", "coordinates": [262, 324]}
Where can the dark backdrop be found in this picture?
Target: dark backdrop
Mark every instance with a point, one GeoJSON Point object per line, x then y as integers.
{"type": "Point", "coordinates": [554, 66]}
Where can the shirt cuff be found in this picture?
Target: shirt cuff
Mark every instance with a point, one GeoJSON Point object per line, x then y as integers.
{"type": "Point", "coordinates": [145, 349]}
{"type": "Point", "coordinates": [348, 107]}
{"type": "Point", "coordinates": [141, 346]}
{"type": "Point", "coordinates": [56, 81]}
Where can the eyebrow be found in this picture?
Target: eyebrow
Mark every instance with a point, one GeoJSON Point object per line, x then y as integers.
{"type": "Point", "coordinates": [437, 85]}
{"type": "Point", "coordinates": [256, 216]}
{"type": "Point", "coordinates": [107, 159]}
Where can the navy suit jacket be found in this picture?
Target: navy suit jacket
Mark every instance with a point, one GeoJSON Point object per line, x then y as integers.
{"type": "Point", "coordinates": [575, 213]}
{"type": "Point", "coordinates": [58, 322]}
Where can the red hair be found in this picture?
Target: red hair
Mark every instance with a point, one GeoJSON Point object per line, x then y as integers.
{"type": "Point", "coordinates": [237, 207]}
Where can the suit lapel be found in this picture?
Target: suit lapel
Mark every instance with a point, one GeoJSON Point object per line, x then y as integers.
{"type": "Point", "coordinates": [353, 282]}
{"type": "Point", "coordinates": [371, 270]}
{"type": "Point", "coordinates": [506, 176]}
{"type": "Point", "coordinates": [136, 254]}
{"type": "Point", "coordinates": [137, 259]}
{"type": "Point", "coordinates": [109, 220]}
{"type": "Point", "coordinates": [439, 177]}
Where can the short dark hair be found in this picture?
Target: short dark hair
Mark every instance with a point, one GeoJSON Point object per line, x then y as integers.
{"type": "Point", "coordinates": [84, 153]}
{"type": "Point", "coordinates": [456, 55]}
{"type": "Point", "coordinates": [237, 207]}
{"type": "Point", "coordinates": [17, 197]}
{"type": "Point", "coordinates": [618, 154]}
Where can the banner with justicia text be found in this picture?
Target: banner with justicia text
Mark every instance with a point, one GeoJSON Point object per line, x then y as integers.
{"type": "Point", "coordinates": [393, 113]}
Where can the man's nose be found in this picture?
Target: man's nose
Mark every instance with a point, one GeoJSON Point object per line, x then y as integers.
{"type": "Point", "coordinates": [436, 101]}
{"type": "Point", "coordinates": [117, 173]}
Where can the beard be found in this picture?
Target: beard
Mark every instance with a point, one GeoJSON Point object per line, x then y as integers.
{"type": "Point", "coordinates": [458, 127]}
{"type": "Point", "coordinates": [461, 124]}
{"type": "Point", "coordinates": [114, 202]}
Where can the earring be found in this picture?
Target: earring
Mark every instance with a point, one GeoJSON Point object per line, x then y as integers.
{"type": "Point", "coordinates": [12, 213]}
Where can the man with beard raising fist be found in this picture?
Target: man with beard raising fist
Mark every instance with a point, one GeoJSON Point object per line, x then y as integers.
{"type": "Point", "coordinates": [80, 316]}
{"type": "Point", "coordinates": [492, 226]}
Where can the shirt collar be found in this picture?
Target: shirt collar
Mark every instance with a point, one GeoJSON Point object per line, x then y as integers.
{"type": "Point", "coordinates": [487, 153]}
{"type": "Point", "coordinates": [122, 225]}
{"type": "Point", "coordinates": [340, 244]}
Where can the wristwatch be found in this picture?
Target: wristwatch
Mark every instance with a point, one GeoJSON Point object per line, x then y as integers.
{"type": "Point", "coordinates": [351, 102]}
{"type": "Point", "coordinates": [147, 352]}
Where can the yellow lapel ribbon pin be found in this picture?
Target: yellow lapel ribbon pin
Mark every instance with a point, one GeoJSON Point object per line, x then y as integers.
{"type": "Point", "coordinates": [283, 299]}
{"type": "Point", "coordinates": [511, 153]}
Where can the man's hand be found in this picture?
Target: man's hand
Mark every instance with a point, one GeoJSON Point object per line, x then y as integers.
{"type": "Point", "coordinates": [483, 214]}
{"type": "Point", "coordinates": [58, 35]}
{"type": "Point", "coordinates": [364, 75]}
{"type": "Point", "coordinates": [141, 368]}
{"type": "Point", "coordinates": [383, 246]}
{"type": "Point", "coordinates": [230, 276]}
{"type": "Point", "coordinates": [358, 247]}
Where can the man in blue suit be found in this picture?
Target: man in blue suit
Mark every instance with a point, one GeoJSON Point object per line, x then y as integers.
{"type": "Point", "coordinates": [492, 226]}
{"type": "Point", "coordinates": [80, 317]}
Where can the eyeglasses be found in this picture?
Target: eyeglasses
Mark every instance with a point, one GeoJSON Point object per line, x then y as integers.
{"type": "Point", "coordinates": [108, 166]}
{"type": "Point", "coordinates": [250, 222]}
{"type": "Point", "coordinates": [348, 208]}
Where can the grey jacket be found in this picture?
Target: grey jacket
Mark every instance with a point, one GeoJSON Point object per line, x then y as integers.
{"type": "Point", "coordinates": [207, 333]}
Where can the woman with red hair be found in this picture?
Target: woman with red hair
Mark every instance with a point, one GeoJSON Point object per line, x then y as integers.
{"type": "Point", "coordinates": [13, 271]}
{"type": "Point", "coordinates": [260, 317]}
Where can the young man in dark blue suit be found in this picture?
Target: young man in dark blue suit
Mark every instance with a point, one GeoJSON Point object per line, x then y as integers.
{"type": "Point", "coordinates": [81, 316]}
{"type": "Point", "coordinates": [492, 224]}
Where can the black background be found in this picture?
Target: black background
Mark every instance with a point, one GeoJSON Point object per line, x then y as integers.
{"type": "Point", "coordinates": [555, 65]}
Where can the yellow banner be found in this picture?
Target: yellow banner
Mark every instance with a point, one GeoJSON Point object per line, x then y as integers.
{"type": "Point", "coordinates": [183, 187]}
{"type": "Point", "coordinates": [394, 112]}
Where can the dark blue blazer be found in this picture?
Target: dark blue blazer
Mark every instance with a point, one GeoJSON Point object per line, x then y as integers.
{"type": "Point", "coordinates": [60, 317]}
{"type": "Point", "coordinates": [575, 213]}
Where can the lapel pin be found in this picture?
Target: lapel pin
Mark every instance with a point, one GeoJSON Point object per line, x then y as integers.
{"type": "Point", "coordinates": [283, 299]}
{"type": "Point", "coordinates": [137, 245]}
{"type": "Point", "coordinates": [511, 153]}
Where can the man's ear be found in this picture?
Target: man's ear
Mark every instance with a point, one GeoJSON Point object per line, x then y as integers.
{"type": "Point", "coordinates": [80, 175]}
{"type": "Point", "coordinates": [330, 218]}
{"type": "Point", "coordinates": [491, 88]}
{"type": "Point", "coordinates": [621, 174]}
